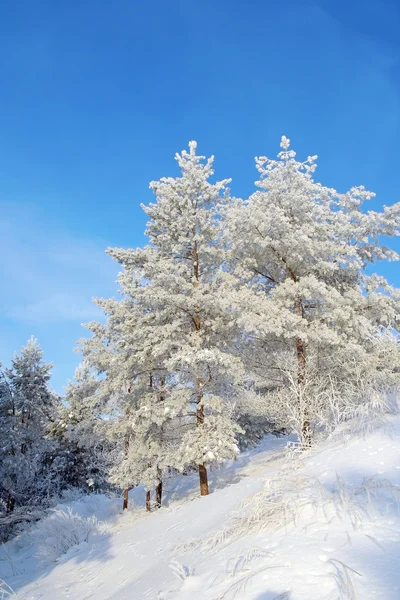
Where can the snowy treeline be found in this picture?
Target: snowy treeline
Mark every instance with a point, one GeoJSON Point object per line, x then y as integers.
{"type": "Point", "coordinates": [46, 445]}
{"type": "Point", "coordinates": [239, 317]}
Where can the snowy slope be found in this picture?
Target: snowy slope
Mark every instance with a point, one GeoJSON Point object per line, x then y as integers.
{"type": "Point", "coordinates": [320, 525]}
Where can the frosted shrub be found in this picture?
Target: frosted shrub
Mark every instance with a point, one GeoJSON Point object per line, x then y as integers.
{"type": "Point", "coordinates": [344, 398]}
{"type": "Point", "coordinates": [5, 591]}
{"type": "Point", "coordinates": [60, 532]}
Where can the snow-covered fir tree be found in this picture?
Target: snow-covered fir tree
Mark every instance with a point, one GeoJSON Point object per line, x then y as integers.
{"type": "Point", "coordinates": [83, 453]}
{"type": "Point", "coordinates": [314, 324]}
{"type": "Point", "coordinates": [29, 379]}
{"type": "Point", "coordinates": [132, 378]}
{"type": "Point", "coordinates": [149, 437]}
{"type": "Point", "coordinates": [28, 408]}
{"type": "Point", "coordinates": [238, 318]}
{"type": "Point", "coordinates": [8, 442]}
{"type": "Point", "coordinates": [174, 323]}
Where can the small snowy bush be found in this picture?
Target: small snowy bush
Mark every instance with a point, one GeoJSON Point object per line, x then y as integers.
{"type": "Point", "coordinates": [62, 530]}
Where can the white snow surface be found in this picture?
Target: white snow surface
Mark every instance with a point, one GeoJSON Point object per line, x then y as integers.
{"type": "Point", "coordinates": [317, 525]}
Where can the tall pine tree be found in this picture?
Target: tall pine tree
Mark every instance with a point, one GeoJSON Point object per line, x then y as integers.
{"type": "Point", "coordinates": [313, 320]}
{"type": "Point", "coordinates": [174, 321]}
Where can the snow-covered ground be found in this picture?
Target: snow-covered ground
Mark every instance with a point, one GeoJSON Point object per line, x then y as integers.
{"type": "Point", "coordinates": [320, 525]}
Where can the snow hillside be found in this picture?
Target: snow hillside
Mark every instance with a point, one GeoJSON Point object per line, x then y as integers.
{"type": "Point", "coordinates": [318, 525]}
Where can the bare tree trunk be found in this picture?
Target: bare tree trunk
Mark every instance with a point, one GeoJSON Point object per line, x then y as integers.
{"type": "Point", "coordinates": [301, 366]}
{"type": "Point", "coordinates": [203, 480]}
{"type": "Point", "coordinates": [159, 486]}
{"type": "Point", "coordinates": [10, 504]}
{"type": "Point", "coordinates": [126, 499]}
{"type": "Point", "coordinates": [202, 468]}
{"type": "Point", "coordinates": [147, 500]}
{"type": "Point", "coordinates": [301, 374]}
{"type": "Point", "coordinates": [159, 489]}
{"type": "Point", "coordinates": [203, 477]}
{"type": "Point", "coordinates": [126, 490]}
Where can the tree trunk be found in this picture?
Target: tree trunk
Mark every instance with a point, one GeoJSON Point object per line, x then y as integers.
{"type": "Point", "coordinates": [203, 480]}
{"type": "Point", "coordinates": [158, 489]}
{"type": "Point", "coordinates": [126, 499]}
{"type": "Point", "coordinates": [305, 417]}
{"type": "Point", "coordinates": [159, 485]}
{"type": "Point", "coordinates": [203, 477]}
{"type": "Point", "coordinates": [202, 468]}
{"type": "Point", "coordinates": [127, 441]}
{"type": "Point", "coordinates": [147, 500]}
{"type": "Point", "coordinates": [126, 490]}
{"type": "Point", "coordinates": [10, 504]}
{"type": "Point", "coordinates": [305, 430]}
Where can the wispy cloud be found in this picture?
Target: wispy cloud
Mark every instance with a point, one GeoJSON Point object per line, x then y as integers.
{"type": "Point", "coordinates": [47, 274]}
{"type": "Point", "coordinates": [56, 307]}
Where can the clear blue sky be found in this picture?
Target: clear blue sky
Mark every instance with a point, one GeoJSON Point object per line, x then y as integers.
{"type": "Point", "coordinates": [96, 97]}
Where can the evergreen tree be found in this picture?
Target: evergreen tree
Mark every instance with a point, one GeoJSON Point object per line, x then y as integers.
{"type": "Point", "coordinates": [28, 408]}
{"type": "Point", "coordinates": [29, 380]}
{"type": "Point", "coordinates": [83, 452]}
{"type": "Point", "coordinates": [132, 386]}
{"type": "Point", "coordinates": [8, 442]}
{"type": "Point", "coordinates": [312, 319]}
{"type": "Point", "coordinates": [174, 321]}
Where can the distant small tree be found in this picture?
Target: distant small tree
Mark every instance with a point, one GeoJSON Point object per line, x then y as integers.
{"type": "Point", "coordinates": [83, 453]}
{"type": "Point", "coordinates": [29, 378]}
{"type": "Point", "coordinates": [28, 407]}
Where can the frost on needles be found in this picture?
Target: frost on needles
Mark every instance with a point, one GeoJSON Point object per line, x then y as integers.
{"type": "Point", "coordinates": [320, 336]}
{"type": "Point", "coordinates": [255, 311]}
{"type": "Point", "coordinates": [168, 348]}
{"type": "Point", "coordinates": [240, 316]}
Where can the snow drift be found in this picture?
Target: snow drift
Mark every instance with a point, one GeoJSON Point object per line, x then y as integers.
{"type": "Point", "coordinates": [316, 525]}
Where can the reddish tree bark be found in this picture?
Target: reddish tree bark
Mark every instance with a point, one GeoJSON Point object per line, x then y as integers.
{"type": "Point", "coordinates": [126, 499]}
{"type": "Point", "coordinates": [203, 480]}
{"type": "Point", "coordinates": [203, 476]}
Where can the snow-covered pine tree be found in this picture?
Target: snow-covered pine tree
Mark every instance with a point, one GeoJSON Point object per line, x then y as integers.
{"type": "Point", "coordinates": [185, 326]}
{"type": "Point", "coordinates": [150, 439]}
{"type": "Point", "coordinates": [254, 419]}
{"type": "Point", "coordinates": [9, 441]}
{"type": "Point", "coordinates": [83, 453]}
{"type": "Point", "coordinates": [28, 409]}
{"type": "Point", "coordinates": [29, 379]}
{"type": "Point", "coordinates": [308, 308]}
{"type": "Point", "coordinates": [132, 386]}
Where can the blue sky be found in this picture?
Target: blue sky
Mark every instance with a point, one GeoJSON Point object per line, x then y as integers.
{"type": "Point", "coordinates": [96, 97]}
